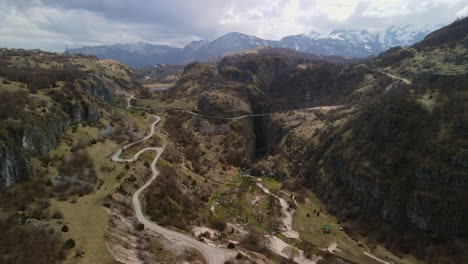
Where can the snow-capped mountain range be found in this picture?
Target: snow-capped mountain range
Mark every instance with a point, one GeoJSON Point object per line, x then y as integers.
{"type": "Point", "coordinates": [347, 43]}
{"type": "Point", "coordinates": [357, 43]}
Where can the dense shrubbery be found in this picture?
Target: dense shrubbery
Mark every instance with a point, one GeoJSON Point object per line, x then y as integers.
{"type": "Point", "coordinates": [166, 201]}
{"type": "Point", "coordinates": [13, 104]}
{"type": "Point", "coordinates": [29, 197]}
{"type": "Point", "coordinates": [217, 223]}
{"type": "Point", "coordinates": [41, 78]}
{"type": "Point", "coordinates": [430, 248]}
{"type": "Point", "coordinates": [394, 56]}
{"type": "Point", "coordinates": [185, 138]}
{"type": "Point", "coordinates": [392, 130]}
{"type": "Point", "coordinates": [38, 77]}
{"type": "Point", "coordinates": [25, 245]}
{"type": "Point", "coordinates": [34, 70]}
{"type": "Point", "coordinates": [255, 241]}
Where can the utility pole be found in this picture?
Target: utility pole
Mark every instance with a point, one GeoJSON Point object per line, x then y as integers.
{"type": "Point", "coordinates": [307, 98]}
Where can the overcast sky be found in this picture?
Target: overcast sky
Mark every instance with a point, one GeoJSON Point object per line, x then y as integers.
{"type": "Point", "coordinates": [52, 24]}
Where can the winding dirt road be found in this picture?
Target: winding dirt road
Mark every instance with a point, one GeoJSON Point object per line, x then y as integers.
{"type": "Point", "coordinates": [213, 255]}
{"type": "Point", "coordinates": [226, 118]}
{"type": "Point", "coordinates": [395, 77]}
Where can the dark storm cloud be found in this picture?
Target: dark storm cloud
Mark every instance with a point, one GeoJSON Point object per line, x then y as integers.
{"type": "Point", "coordinates": [183, 17]}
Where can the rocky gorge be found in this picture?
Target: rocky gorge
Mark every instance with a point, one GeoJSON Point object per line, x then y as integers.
{"type": "Point", "coordinates": [377, 147]}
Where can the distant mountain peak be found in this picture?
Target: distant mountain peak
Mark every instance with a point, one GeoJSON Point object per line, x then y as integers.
{"type": "Point", "coordinates": [357, 43]}
{"type": "Point", "coordinates": [312, 35]}
{"type": "Point", "coordinates": [196, 44]}
{"type": "Point", "coordinates": [235, 34]}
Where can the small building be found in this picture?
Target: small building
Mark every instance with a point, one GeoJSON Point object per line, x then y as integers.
{"type": "Point", "coordinates": [326, 229]}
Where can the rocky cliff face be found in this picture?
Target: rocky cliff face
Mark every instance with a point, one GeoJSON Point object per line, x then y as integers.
{"type": "Point", "coordinates": [428, 196]}
{"type": "Point", "coordinates": [98, 90]}
{"type": "Point", "coordinates": [65, 96]}
{"type": "Point", "coordinates": [14, 164]}
{"type": "Point", "coordinates": [440, 202]}
{"type": "Point", "coordinates": [36, 139]}
{"type": "Point", "coordinates": [387, 164]}
{"type": "Point", "coordinates": [408, 203]}
{"type": "Point", "coordinates": [267, 65]}
{"type": "Point", "coordinates": [397, 153]}
{"type": "Point", "coordinates": [264, 68]}
{"type": "Point", "coordinates": [43, 135]}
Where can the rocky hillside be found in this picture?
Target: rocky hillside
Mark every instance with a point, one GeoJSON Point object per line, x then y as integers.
{"type": "Point", "coordinates": [398, 157]}
{"type": "Point", "coordinates": [345, 43]}
{"type": "Point", "coordinates": [231, 42]}
{"type": "Point", "coordinates": [387, 144]}
{"type": "Point", "coordinates": [293, 80]}
{"type": "Point", "coordinates": [134, 54]}
{"type": "Point", "coordinates": [270, 80]}
{"type": "Point", "coordinates": [42, 95]}
{"type": "Point", "coordinates": [161, 73]}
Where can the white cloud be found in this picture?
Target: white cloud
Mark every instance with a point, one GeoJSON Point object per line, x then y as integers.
{"type": "Point", "coordinates": [50, 24]}
{"type": "Point", "coordinates": [336, 9]}
{"type": "Point", "coordinates": [463, 12]}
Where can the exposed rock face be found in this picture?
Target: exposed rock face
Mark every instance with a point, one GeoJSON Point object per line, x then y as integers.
{"type": "Point", "coordinates": [438, 214]}
{"type": "Point", "coordinates": [439, 204]}
{"type": "Point", "coordinates": [39, 138]}
{"type": "Point", "coordinates": [414, 204]}
{"type": "Point", "coordinates": [84, 113]}
{"type": "Point", "coordinates": [268, 133]}
{"type": "Point", "coordinates": [36, 140]}
{"type": "Point", "coordinates": [98, 90]}
{"type": "Point", "coordinates": [266, 69]}
{"type": "Point", "coordinates": [36, 133]}
{"type": "Point", "coordinates": [14, 164]}
{"type": "Point", "coordinates": [390, 182]}
{"type": "Point", "coordinates": [427, 198]}
{"type": "Point", "coordinates": [267, 65]}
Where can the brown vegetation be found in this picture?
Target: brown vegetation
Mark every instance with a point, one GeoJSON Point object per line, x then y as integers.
{"type": "Point", "coordinates": [166, 200]}
{"type": "Point", "coordinates": [25, 245]}
{"type": "Point", "coordinates": [76, 175]}
{"type": "Point", "coordinates": [255, 241]}
{"type": "Point", "coordinates": [21, 242]}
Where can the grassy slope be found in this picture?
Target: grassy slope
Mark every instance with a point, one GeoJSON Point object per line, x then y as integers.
{"type": "Point", "coordinates": [310, 231]}
{"type": "Point", "coordinates": [87, 218]}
